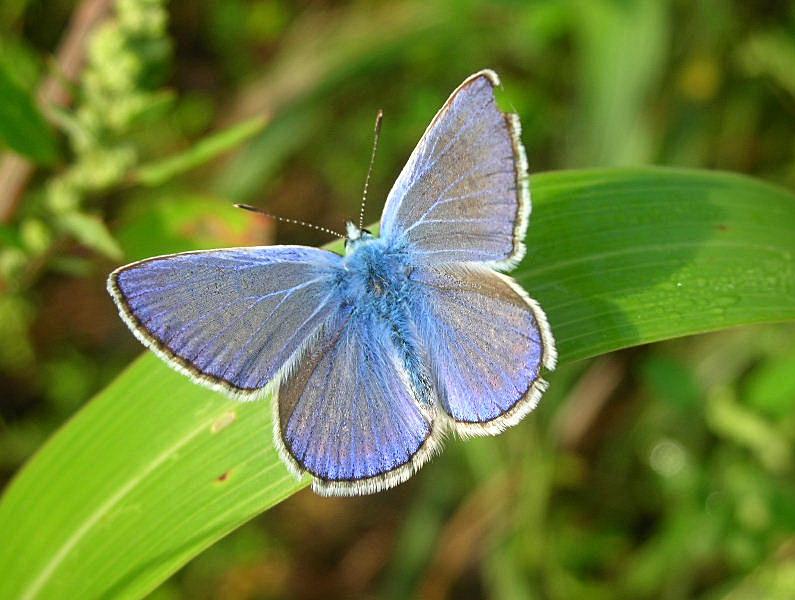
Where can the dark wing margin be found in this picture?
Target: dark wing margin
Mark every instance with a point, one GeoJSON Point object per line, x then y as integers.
{"type": "Point", "coordinates": [464, 193]}
{"type": "Point", "coordinates": [232, 320]}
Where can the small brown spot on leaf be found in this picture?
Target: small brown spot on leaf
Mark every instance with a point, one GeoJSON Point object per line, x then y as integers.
{"type": "Point", "coordinates": [722, 227]}
{"type": "Point", "coordinates": [222, 477]}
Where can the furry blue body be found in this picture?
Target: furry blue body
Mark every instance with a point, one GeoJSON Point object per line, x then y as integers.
{"type": "Point", "coordinates": [377, 283]}
{"type": "Point", "coordinates": [376, 275]}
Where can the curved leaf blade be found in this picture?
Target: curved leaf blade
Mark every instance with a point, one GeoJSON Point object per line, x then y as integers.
{"type": "Point", "coordinates": [155, 469]}
{"type": "Point", "coordinates": [625, 257]}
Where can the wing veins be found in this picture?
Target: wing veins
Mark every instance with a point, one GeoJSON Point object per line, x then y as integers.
{"type": "Point", "coordinates": [245, 366]}
{"type": "Point", "coordinates": [435, 159]}
{"type": "Point", "coordinates": [443, 199]}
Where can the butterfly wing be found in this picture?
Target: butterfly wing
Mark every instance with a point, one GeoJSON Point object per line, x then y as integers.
{"type": "Point", "coordinates": [487, 341]}
{"type": "Point", "coordinates": [231, 319]}
{"type": "Point", "coordinates": [463, 196]}
{"type": "Point", "coordinates": [351, 414]}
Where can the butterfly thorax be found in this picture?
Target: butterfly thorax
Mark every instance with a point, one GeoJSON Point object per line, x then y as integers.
{"type": "Point", "coordinates": [375, 275]}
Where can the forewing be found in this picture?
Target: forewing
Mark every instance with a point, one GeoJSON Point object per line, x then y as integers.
{"type": "Point", "coordinates": [230, 318]}
{"type": "Point", "coordinates": [349, 413]}
{"type": "Point", "coordinates": [487, 343]}
{"type": "Point", "coordinates": [463, 196]}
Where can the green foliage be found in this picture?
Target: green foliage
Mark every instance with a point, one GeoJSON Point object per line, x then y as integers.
{"type": "Point", "coordinates": [22, 126]}
{"type": "Point", "coordinates": [204, 151]}
{"type": "Point", "coordinates": [612, 129]}
{"type": "Point", "coordinates": [772, 53]}
{"type": "Point", "coordinates": [117, 99]}
{"type": "Point", "coordinates": [613, 255]}
{"type": "Point", "coordinates": [115, 96]}
{"type": "Point", "coordinates": [664, 471]}
{"type": "Point", "coordinates": [169, 223]}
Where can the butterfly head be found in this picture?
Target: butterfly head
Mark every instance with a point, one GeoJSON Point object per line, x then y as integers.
{"type": "Point", "coordinates": [355, 236]}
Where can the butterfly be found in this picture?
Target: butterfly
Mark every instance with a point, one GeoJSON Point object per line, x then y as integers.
{"type": "Point", "coordinates": [372, 357]}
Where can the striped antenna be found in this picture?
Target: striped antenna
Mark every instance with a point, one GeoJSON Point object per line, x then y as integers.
{"type": "Point", "coordinates": [287, 220]}
{"type": "Point", "coordinates": [378, 118]}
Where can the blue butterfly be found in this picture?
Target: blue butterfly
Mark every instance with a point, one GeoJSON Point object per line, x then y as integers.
{"type": "Point", "coordinates": [374, 356]}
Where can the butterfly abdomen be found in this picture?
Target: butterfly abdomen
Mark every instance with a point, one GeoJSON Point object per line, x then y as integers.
{"type": "Point", "coordinates": [377, 286]}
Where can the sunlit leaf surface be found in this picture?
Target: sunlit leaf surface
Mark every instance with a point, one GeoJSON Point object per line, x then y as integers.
{"type": "Point", "coordinates": [155, 468]}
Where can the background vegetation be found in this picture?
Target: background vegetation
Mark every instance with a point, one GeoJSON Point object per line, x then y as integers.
{"type": "Point", "coordinates": [664, 471]}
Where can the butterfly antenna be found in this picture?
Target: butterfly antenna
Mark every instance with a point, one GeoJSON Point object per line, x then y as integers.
{"type": "Point", "coordinates": [378, 118]}
{"type": "Point", "coordinates": [287, 220]}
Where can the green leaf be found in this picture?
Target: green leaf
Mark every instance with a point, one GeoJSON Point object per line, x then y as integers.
{"type": "Point", "coordinates": [177, 223]}
{"type": "Point", "coordinates": [92, 232]}
{"type": "Point", "coordinates": [771, 53]}
{"type": "Point", "coordinates": [22, 127]}
{"type": "Point", "coordinates": [622, 46]}
{"type": "Point", "coordinates": [155, 469]}
{"type": "Point", "coordinates": [203, 151]}
{"type": "Point", "coordinates": [771, 386]}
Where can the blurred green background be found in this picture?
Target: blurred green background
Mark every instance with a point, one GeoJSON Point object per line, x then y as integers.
{"type": "Point", "coordinates": [659, 472]}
